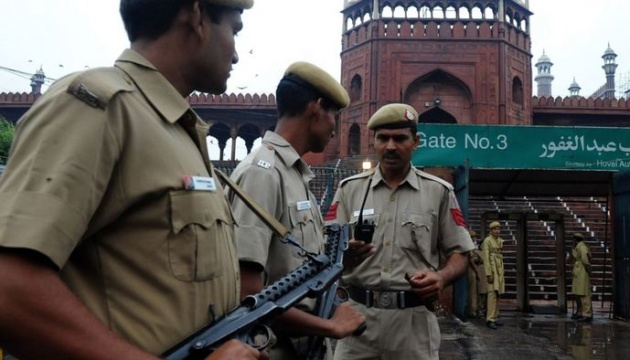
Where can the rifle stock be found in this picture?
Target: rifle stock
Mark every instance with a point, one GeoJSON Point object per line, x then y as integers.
{"type": "Point", "coordinates": [256, 312]}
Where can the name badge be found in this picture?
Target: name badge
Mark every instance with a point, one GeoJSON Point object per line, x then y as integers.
{"type": "Point", "coordinates": [303, 205]}
{"type": "Point", "coordinates": [202, 183]}
{"type": "Point", "coordinates": [366, 212]}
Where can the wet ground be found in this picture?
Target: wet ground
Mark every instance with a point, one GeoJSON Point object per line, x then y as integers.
{"type": "Point", "coordinates": [531, 336]}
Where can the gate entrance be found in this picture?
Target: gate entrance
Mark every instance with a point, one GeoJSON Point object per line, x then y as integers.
{"type": "Point", "coordinates": [569, 167]}
{"type": "Point", "coordinates": [534, 258]}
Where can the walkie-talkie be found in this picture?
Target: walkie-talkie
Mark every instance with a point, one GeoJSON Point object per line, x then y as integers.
{"type": "Point", "coordinates": [364, 229]}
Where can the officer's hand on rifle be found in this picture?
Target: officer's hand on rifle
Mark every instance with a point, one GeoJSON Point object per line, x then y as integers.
{"type": "Point", "coordinates": [357, 252]}
{"type": "Point", "coordinates": [235, 349]}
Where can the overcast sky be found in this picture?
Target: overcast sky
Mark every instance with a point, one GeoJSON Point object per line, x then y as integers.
{"type": "Point", "coordinates": [80, 33]}
{"type": "Point", "coordinates": [68, 35]}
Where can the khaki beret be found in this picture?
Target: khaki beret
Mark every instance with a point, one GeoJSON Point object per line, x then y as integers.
{"type": "Point", "coordinates": [394, 116]}
{"type": "Point", "coordinates": [494, 224]}
{"type": "Point", "coordinates": [472, 233]}
{"type": "Point", "coordinates": [578, 235]}
{"type": "Point", "coordinates": [321, 81]}
{"type": "Point", "coordinates": [237, 4]}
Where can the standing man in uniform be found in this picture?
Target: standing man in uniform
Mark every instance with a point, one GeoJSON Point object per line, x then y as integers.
{"type": "Point", "coordinates": [276, 177]}
{"type": "Point", "coordinates": [492, 253]}
{"type": "Point", "coordinates": [115, 234]}
{"type": "Point", "coordinates": [416, 219]}
{"type": "Point", "coordinates": [476, 279]}
{"type": "Point", "coordinates": [581, 254]}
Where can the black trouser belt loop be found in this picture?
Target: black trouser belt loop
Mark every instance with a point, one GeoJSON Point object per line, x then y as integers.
{"type": "Point", "coordinates": [384, 299]}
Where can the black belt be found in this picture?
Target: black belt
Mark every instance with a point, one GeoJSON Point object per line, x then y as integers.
{"type": "Point", "coordinates": [385, 299]}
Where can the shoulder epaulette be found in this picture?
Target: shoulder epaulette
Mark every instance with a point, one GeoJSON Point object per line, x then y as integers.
{"type": "Point", "coordinates": [362, 175]}
{"type": "Point", "coordinates": [265, 157]}
{"type": "Point", "coordinates": [96, 87]}
{"type": "Point", "coordinates": [434, 178]}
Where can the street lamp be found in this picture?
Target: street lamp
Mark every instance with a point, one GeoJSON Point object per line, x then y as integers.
{"type": "Point", "coordinates": [367, 165]}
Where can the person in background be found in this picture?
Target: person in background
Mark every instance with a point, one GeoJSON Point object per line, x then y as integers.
{"type": "Point", "coordinates": [492, 254]}
{"type": "Point", "coordinates": [115, 235]}
{"type": "Point", "coordinates": [476, 280]}
{"type": "Point", "coordinates": [416, 218]}
{"type": "Point", "coordinates": [581, 255]}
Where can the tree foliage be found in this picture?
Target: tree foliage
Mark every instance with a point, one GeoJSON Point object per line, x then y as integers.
{"type": "Point", "coordinates": [7, 131]}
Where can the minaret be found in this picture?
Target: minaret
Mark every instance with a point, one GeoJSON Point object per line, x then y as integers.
{"type": "Point", "coordinates": [610, 66]}
{"type": "Point", "coordinates": [37, 80]}
{"type": "Point", "coordinates": [544, 77]}
{"type": "Point", "coordinates": [574, 89]}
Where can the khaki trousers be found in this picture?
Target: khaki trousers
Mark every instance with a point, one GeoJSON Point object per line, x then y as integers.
{"type": "Point", "coordinates": [584, 306]}
{"type": "Point", "coordinates": [493, 306]}
{"type": "Point", "coordinates": [411, 333]}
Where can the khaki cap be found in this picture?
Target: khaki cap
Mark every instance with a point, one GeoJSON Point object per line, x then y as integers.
{"type": "Point", "coordinates": [578, 235]}
{"type": "Point", "coordinates": [321, 81]}
{"type": "Point", "coordinates": [494, 224]}
{"type": "Point", "coordinates": [237, 4]}
{"type": "Point", "coordinates": [394, 116]}
{"type": "Point", "coordinates": [472, 233]}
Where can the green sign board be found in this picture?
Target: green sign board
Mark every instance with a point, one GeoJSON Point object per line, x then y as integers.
{"type": "Point", "coordinates": [524, 147]}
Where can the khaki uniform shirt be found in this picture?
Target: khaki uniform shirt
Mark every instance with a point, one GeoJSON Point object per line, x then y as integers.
{"type": "Point", "coordinates": [492, 253]}
{"type": "Point", "coordinates": [581, 260]}
{"type": "Point", "coordinates": [414, 224]}
{"type": "Point", "coordinates": [95, 183]}
{"type": "Point", "coordinates": [277, 178]}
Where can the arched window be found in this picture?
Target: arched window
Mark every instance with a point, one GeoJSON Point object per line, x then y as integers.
{"type": "Point", "coordinates": [517, 91]}
{"type": "Point", "coordinates": [356, 88]}
{"type": "Point", "coordinates": [349, 24]}
{"type": "Point", "coordinates": [387, 12]}
{"type": "Point", "coordinates": [476, 13]}
{"type": "Point", "coordinates": [464, 13]}
{"type": "Point", "coordinates": [354, 140]}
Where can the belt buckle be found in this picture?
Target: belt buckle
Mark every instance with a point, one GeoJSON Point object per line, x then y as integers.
{"type": "Point", "coordinates": [385, 300]}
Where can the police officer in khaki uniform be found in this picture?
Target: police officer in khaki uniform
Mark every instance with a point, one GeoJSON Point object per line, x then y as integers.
{"type": "Point", "coordinates": [476, 279]}
{"type": "Point", "coordinates": [115, 234]}
{"type": "Point", "coordinates": [416, 218]}
{"type": "Point", "coordinates": [277, 178]}
{"type": "Point", "coordinates": [581, 254]}
{"type": "Point", "coordinates": [492, 253]}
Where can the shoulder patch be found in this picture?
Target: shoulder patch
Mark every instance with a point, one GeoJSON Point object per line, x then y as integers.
{"type": "Point", "coordinates": [434, 178]}
{"type": "Point", "coordinates": [264, 157]}
{"type": "Point", "coordinates": [96, 87]}
{"type": "Point", "coordinates": [263, 164]}
{"type": "Point", "coordinates": [362, 175]}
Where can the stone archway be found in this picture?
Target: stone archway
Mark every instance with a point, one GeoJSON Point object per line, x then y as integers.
{"type": "Point", "coordinates": [437, 116]}
{"type": "Point", "coordinates": [222, 133]}
{"type": "Point", "coordinates": [249, 133]}
{"type": "Point", "coordinates": [439, 90]}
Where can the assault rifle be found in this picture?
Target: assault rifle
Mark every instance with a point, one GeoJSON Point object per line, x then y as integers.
{"type": "Point", "coordinates": [256, 312]}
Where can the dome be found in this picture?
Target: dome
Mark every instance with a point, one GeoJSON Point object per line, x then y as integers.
{"type": "Point", "coordinates": [544, 59]}
{"type": "Point", "coordinates": [609, 52]}
{"type": "Point", "coordinates": [574, 85]}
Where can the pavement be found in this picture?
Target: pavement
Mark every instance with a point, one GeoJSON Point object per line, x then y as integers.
{"type": "Point", "coordinates": [531, 336]}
